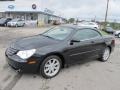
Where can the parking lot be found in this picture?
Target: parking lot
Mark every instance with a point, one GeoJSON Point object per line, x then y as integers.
{"type": "Point", "coordinates": [89, 75]}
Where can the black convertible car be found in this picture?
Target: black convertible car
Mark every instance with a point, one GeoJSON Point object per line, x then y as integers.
{"type": "Point", "coordinates": [47, 53]}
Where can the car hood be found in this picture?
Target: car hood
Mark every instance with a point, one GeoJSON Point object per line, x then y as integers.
{"type": "Point", "coordinates": [33, 42]}
{"type": "Point", "coordinates": [11, 22]}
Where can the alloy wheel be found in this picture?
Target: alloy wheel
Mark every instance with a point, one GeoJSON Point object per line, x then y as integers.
{"type": "Point", "coordinates": [52, 67]}
{"type": "Point", "coordinates": [106, 54]}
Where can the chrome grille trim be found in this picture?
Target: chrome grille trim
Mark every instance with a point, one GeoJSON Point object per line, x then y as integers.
{"type": "Point", "coordinates": [11, 51]}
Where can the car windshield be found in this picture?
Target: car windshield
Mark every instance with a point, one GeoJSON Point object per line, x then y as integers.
{"type": "Point", "coordinates": [14, 20]}
{"type": "Point", "coordinates": [58, 33]}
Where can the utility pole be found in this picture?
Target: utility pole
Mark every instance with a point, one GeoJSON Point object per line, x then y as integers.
{"type": "Point", "coordinates": [106, 15]}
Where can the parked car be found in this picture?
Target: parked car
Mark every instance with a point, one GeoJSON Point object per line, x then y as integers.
{"type": "Point", "coordinates": [47, 53]}
{"type": "Point", "coordinates": [117, 33]}
{"type": "Point", "coordinates": [16, 23]}
{"type": "Point", "coordinates": [1, 17]}
{"type": "Point", "coordinates": [89, 24]}
{"type": "Point", "coordinates": [74, 23]}
{"type": "Point", "coordinates": [110, 30]}
{"type": "Point", "coordinates": [56, 22]}
{"type": "Point", "coordinates": [4, 21]}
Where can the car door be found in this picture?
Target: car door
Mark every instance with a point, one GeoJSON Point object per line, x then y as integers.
{"type": "Point", "coordinates": [90, 45]}
{"type": "Point", "coordinates": [9, 19]}
{"type": "Point", "coordinates": [19, 22]}
{"type": "Point", "coordinates": [22, 22]}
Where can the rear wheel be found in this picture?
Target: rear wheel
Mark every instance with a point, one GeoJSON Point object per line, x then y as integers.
{"type": "Point", "coordinates": [50, 67]}
{"type": "Point", "coordinates": [106, 54]}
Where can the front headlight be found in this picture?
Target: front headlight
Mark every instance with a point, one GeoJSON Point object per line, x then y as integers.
{"type": "Point", "coordinates": [26, 53]}
{"type": "Point", "coordinates": [117, 32]}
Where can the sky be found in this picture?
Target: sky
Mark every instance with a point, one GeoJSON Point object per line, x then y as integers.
{"type": "Point", "coordinates": [84, 8]}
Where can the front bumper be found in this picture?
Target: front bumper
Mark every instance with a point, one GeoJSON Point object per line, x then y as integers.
{"type": "Point", "coordinates": [18, 64]}
{"type": "Point", "coordinates": [11, 25]}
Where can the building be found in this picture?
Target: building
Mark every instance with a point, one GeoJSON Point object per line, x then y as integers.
{"type": "Point", "coordinates": [29, 10]}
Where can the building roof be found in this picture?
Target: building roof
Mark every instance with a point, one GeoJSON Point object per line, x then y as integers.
{"type": "Point", "coordinates": [78, 27]}
{"type": "Point", "coordinates": [34, 12]}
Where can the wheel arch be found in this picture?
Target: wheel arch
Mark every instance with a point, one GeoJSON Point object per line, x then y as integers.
{"type": "Point", "coordinates": [56, 54]}
{"type": "Point", "coordinates": [110, 48]}
{"type": "Point", "coordinates": [59, 55]}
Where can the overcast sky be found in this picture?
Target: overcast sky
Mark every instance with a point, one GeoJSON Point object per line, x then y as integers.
{"type": "Point", "coordinates": [84, 8]}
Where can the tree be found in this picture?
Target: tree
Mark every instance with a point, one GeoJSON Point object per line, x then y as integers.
{"type": "Point", "coordinates": [71, 20]}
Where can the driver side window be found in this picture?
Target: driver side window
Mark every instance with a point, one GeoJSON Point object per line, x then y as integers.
{"type": "Point", "coordinates": [86, 34]}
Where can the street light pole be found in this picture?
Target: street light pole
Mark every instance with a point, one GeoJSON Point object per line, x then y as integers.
{"type": "Point", "coordinates": [106, 14]}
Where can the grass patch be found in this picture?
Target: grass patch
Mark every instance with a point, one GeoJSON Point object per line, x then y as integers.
{"type": "Point", "coordinates": [103, 32]}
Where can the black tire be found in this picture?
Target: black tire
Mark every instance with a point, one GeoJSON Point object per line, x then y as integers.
{"type": "Point", "coordinates": [42, 66]}
{"type": "Point", "coordinates": [23, 25]}
{"type": "Point", "coordinates": [119, 35]}
{"type": "Point", "coordinates": [16, 25]}
{"type": "Point", "coordinates": [5, 25]}
{"type": "Point", "coordinates": [102, 56]}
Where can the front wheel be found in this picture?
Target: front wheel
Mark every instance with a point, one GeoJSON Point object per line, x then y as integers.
{"type": "Point", "coordinates": [50, 67]}
{"type": "Point", "coordinates": [23, 25]}
{"type": "Point", "coordinates": [16, 25]}
{"type": "Point", "coordinates": [5, 25]}
{"type": "Point", "coordinates": [119, 35]}
{"type": "Point", "coordinates": [106, 54]}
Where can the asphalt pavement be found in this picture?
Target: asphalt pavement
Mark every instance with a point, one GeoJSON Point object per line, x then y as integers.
{"type": "Point", "coordinates": [89, 75]}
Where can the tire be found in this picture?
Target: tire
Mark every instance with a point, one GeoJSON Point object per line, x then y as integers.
{"type": "Point", "coordinates": [23, 25]}
{"type": "Point", "coordinates": [16, 25]}
{"type": "Point", "coordinates": [105, 55]}
{"type": "Point", "coordinates": [5, 25]}
{"type": "Point", "coordinates": [48, 69]}
{"type": "Point", "coordinates": [119, 35]}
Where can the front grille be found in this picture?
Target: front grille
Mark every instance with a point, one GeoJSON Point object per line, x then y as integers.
{"type": "Point", "coordinates": [11, 51]}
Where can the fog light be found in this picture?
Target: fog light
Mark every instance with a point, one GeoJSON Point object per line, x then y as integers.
{"type": "Point", "coordinates": [31, 62]}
